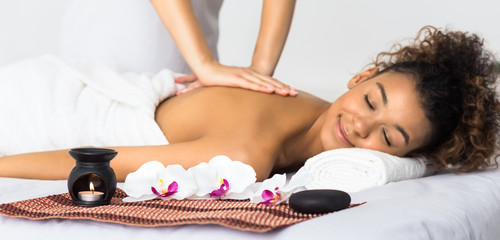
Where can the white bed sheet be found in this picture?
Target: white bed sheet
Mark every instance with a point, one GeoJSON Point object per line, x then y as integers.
{"type": "Point", "coordinates": [445, 206]}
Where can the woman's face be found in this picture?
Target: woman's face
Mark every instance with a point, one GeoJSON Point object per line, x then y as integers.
{"type": "Point", "coordinates": [381, 113]}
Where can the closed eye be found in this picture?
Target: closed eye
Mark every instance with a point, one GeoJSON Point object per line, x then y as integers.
{"type": "Point", "coordinates": [368, 102]}
{"type": "Point", "coordinates": [386, 138]}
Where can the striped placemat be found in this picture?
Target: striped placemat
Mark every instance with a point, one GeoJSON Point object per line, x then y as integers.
{"type": "Point", "coordinates": [237, 214]}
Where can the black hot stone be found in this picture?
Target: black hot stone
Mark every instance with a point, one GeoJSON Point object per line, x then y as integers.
{"type": "Point", "coordinates": [319, 201]}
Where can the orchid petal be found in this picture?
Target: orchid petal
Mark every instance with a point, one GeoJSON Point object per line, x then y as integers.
{"type": "Point", "coordinates": [138, 183]}
{"type": "Point", "coordinates": [155, 192]}
{"type": "Point", "coordinates": [173, 187]}
{"type": "Point", "coordinates": [165, 193]}
{"type": "Point", "coordinates": [298, 181]}
{"type": "Point", "coordinates": [254, 187]}
{"type": "Point", "coordinates": [278, 180]}
{"type": "Point", "coordinates": [181, 181]}
{"type": "Point", "coordinates": [223, 189]}
{"type": "Point", "coordinates": [208, 176]}
{"type": "Point", "coordinates": [271, 197]}
{"type": "Point", "coordinates": [239, 175]}
{"type": "Point", "coordinates": [267, 194]}
{"type": "Point", "coordinates": [220, 161]}
{"type": "Point", "coordinates": [205, 176]}
{"type": "Point", "coordinates": [275, 199]}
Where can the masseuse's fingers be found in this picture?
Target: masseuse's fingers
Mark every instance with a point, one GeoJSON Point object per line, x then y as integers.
{"type": "Point", "coordinates": [244, 77]}
{"type": "Point", "coordinates": [190, 78]}
{"type": "Point", "coordinates": [258, 80]}
{"type": "Point", "coordinates": [248, 78]}
{"type": "Point", "coordinates": [186, 78]}
{"type": "Point", "coordinates": [193, 85]}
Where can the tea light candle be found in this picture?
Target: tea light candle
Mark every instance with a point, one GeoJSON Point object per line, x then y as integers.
{"type": "Point", "coordinates": [91, 195]}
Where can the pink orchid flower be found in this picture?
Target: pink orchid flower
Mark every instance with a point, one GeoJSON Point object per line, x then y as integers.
{"type": "Point", "coordinates": [224, 188]}
{"type": "Point", "coordinates": [165, 192]}
{"type": "Point", "coordinates": [271, 197]}
{"type": "Point", "coordinates": [149, 182]}
{"type": "Point", "coordinates": [223, 178]}
{"type": "Point", "coordinates": [276, 190]}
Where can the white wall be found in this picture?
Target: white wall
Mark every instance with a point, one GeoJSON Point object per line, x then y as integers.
{"type": "Point", "coordinates": [28, 28]}
{"type": "Point", "coordinates": [329, 41]}
{"type": "Point", "coordinates": [332, 39]}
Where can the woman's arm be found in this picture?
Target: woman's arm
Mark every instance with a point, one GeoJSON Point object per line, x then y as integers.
{"type": "Point", "coordinates": [275, 24]}
{"type": "Point", "coordinates": [180, 20]}
{"type": "Point", "coordinates": [53, 165]}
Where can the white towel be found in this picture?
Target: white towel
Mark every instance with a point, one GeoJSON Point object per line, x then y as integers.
{"type": "Point", "coordinates": [355, 169]}
{"type": "Point", "coordinates": [48, 103]}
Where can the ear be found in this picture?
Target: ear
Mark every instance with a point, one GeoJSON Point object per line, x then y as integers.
{"type": "Point", "coordinates": [362, 76]}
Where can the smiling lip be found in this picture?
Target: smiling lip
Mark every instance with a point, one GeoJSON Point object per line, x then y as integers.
{"type": "Point", "coordinates": [341, 135]}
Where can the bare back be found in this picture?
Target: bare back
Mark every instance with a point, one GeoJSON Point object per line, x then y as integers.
{"type": "Point", "coordinates": [254, 126]}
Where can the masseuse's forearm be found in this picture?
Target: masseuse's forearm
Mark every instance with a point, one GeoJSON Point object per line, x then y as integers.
{"type": "Point", "coordinates": [275, 24]}
{"type": "Point", "coordinates": [180, 20]}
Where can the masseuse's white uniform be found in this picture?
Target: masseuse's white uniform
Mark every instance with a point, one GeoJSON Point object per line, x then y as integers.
{"type": "Point", "coordinates": [129, 33]}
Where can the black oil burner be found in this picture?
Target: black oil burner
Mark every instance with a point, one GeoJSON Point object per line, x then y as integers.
{"type": "Point", "coordinates": [92, 182]}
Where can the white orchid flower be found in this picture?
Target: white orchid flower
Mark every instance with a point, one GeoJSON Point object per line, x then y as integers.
{"type": "Point", "coordinates": [222, 178]}
{"type": "Point", "coordinates": [276, 190]}
{"type": "Point", "coordinates": [153, 180]}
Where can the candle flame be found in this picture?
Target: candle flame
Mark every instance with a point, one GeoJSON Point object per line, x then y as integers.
{"type": "Point", "coordinates": [91, 186]}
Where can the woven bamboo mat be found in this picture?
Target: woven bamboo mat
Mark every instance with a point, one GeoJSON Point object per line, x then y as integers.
{"type": "Point", "coordinates": [237, 214]}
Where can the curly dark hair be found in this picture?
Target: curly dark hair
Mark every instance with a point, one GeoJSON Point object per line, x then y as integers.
{"type": "Point", "coordinates": [456, 80]}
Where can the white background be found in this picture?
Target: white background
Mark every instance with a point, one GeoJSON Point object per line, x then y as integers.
{"type": "Point", "coordinates": [330, 40]}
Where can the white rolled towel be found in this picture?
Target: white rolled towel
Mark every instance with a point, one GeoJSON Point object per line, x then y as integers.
{"type": "Point", "coordinates": [355, 169]}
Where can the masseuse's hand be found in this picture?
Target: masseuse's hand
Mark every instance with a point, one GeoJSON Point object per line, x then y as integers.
{"type": "Point", "coordinates": [244, 77]}
{"type": "Point", "coordinates": [180, 20]}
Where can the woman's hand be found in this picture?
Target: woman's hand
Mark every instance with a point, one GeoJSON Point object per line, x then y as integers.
{"type": "Point", "coordinates": [244, 77]}
{"type": "Point", "coordinates": [180, 20]}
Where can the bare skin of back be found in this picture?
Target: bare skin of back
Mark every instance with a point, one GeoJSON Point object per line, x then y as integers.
{"type": "Point", "coordinates": [256, 128]}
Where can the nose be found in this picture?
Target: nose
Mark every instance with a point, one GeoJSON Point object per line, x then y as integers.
{"type": "Point", "coordinates": [362, 125]}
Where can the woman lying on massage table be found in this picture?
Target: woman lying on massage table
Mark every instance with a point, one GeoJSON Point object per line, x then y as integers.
{"type": "Point", "coordinates": [433, 97]}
